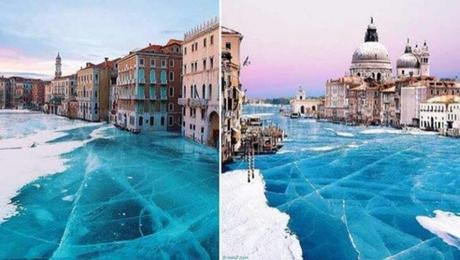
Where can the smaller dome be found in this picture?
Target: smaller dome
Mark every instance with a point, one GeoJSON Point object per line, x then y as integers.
{"type": "Point", "coordinates": [407, 60]}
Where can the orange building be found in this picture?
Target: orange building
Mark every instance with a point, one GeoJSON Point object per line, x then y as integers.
{"type": "Point", "coordinates": [148, 87]}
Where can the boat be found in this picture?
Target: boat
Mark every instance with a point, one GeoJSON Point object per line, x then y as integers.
{"type": "Point", "coordinates": [295, 115]}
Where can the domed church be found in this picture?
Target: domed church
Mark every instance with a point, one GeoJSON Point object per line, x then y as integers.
{"type": "Point", "coordinates": [413, 63]}
{"type": "Point", "coordinates": [370, 59]}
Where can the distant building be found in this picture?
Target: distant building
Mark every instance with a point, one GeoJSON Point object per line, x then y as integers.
{"type": "Point", "coordinates": [414, 63]}
{"type": "Point", "coordinates": [38, 94]}
{"type": "Point", "coordinates": [370, 59]}
{"type": "Point", "coordinates": [63, 90]}
{"type": "Point", "coordinates": [93, 87]}
{"type": "Point", "coordinates": [336, 106]}
{"type": "Point", "coordinates": [200, 93]}
{"type": "Point", "coordinates": [5, 93]}
{"type": "Point", "coordinates": [232, 94]}
{"type": "Point", "coordinates": [307, 107]}
{"type": "Point", "coordinates": [148, 86]}
{"type": "Point", "coordinates": [48, 96]}
{"type": "Point", "coordinates": [415, 91]}
{"type": "Point", "coordinates": [440, 113]}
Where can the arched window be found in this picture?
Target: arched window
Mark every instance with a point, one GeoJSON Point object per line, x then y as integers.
{"type": "Point", "coordinates": [203, 91]}
{"type": "Point", "coordinates": [379, 76]}
{"type": "Point", "coordinates": [140, 120]}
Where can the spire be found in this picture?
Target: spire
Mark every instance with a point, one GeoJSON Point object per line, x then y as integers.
{"type": "Point", "coordinates": [58, 56]}
{"type": "Point", "coordinates": [408, 47]}
{"type": "Point", "coordinates": [372, 20]}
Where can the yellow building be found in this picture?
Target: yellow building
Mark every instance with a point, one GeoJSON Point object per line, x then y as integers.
{"type": "Point", "coordinates": [93, 86]}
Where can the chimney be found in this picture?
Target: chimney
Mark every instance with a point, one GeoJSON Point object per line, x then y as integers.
{"type": "Point", "coordinates": [106, 59]}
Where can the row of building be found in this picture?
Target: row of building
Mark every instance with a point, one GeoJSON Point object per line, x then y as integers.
{"type": "Point", "coordinates": [371, 95]}
{"type": "Point", "coordinates": [19, 92]}
{"type": "Point", "coordinates": [173, 87]}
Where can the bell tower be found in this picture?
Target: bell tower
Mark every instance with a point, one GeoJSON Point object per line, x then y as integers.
{"type": "Point", "coordinates": [58, 71]}
{"type": "Point", "coordinates": [425, 60]}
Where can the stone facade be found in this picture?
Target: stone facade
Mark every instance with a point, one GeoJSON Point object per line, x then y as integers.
{"type": "Point", "coordinates": [148, 86]}
{"type": "Point", "coordinates": [440, 113]}
{"type": "Point", "coordinates": [200, 93]}
{"type": "Point", "coordinates": [232, 94]}
{"type": "Point", "coordinates": [93, 86]}
{"type": "Point", "coordinates": [63, 89]}
{"type": "Point", "coordinates": [306, 107]}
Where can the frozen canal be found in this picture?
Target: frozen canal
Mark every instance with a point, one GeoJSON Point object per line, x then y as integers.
{"type": "Point", "coordinates": [76, 189]}
{"type": "Point", "coordinates": [364, 193]}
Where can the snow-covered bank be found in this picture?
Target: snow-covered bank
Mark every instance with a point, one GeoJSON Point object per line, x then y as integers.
{"type": "Point", "coordinates": [250, 228]}
{"type": "Point", "coordinates": [24, 159]}
{"type": "Point", "coordinates": [445, 225]}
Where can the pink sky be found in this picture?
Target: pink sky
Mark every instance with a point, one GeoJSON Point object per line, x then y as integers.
{"type": "Point", "coordinates": [298, 42]}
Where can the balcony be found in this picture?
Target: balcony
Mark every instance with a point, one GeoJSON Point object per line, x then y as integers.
{"type": "Point", "coordinates": [198, 102]}
{"type": "Point", "coordinates": [183, 101]}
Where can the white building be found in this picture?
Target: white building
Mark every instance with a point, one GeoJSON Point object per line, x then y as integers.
{"type": "Point", "coordinates": [411, 97]}
{"type": "Point", "coordinates": [440, 113]}
{"type": "Point", "coordinates": [370, 59]}
{"type": "Point", "coordinates": [304, 106]}
{"type": "Point", "coordinates": [414, 63]}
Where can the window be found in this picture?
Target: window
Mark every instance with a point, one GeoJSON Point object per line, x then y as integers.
{"type": "Point", "coordinates": [212, 39]}
{"type": "Point", "coordinates": [171, 76]}
{"type": "Point", "coordinates": [185, 69]}
{"type": "Point", "coordinates": [162, 121]}
{"type": "Point", "coordinates": [151, 121]}
{"type": "Point", "coordinates": [140, 120]}
{"type": "Point", "coordinates": [228, 46]}
{"type": "Point", "coordinates": [185, 50]}
{"type": "Point", "coordinates": [152, 62]}
{"type": "Point", "coordinates": [209, 91]}
{"type": "Point", "coordinates": [211, 62]}
{"type": "Point", "coordinates": [204, 64]}
{"type": "Point", "coordinates": [171, 91]}
{"type": "Point", "coordinates": [203, 91]}
{"type": "Point", "coordinates": [204, 42]}
{"type": "Point", "coordinates": [170, 120]}
{"type": "Point", "coordinates": [163, 77]}
{"type": "Point", "coordinates": [163, 63]}
{"type": "Point", "coordinates": [141, 61]}
{"type": "Point", "coordinates": [170, 107]}
{"type": "Point", "coordinates": [171, 63]}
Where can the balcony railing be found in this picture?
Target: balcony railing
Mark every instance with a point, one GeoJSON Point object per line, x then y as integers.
{"type": "Point", "coordinates": [198, 102]}
{"type": "Point", "coordinates": [183, 101]}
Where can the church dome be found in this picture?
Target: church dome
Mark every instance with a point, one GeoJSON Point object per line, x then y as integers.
{"type": "Point", "coordinates": [407, 60]}
{"type": "Point", "coordinates": [370, 51]}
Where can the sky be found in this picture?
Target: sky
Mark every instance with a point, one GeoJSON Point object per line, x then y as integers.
{"type": "Point", "coordinates": [32, 32]}
{"type": "Point", "coordinates": [304, 43]}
